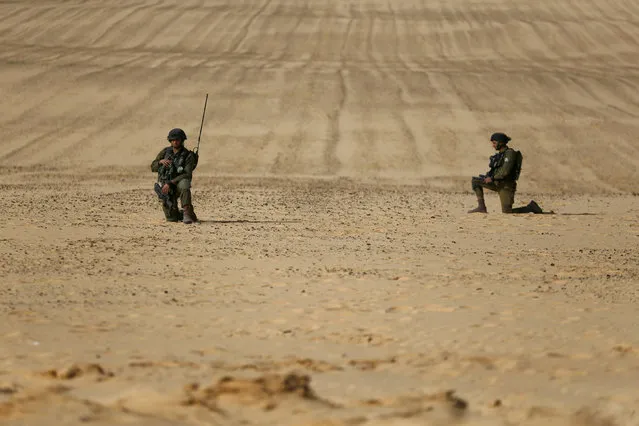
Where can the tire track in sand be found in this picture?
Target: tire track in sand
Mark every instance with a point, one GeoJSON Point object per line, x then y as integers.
{"type": "Point", "coordinates": [355, 88]}
{"type": "Point", "coordinates": [246, 27]}
{"type": "Point", "coordinates": [330, 154]}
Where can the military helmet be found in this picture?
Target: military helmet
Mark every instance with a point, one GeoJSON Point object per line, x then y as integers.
{"type": "Point", "coordinates": [176, 134]}
{"type": "Point", "coordinates": [500, 137]}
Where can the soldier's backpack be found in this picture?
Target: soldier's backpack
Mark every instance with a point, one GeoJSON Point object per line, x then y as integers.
{"type": "Point", "coordinates": [519, 159]}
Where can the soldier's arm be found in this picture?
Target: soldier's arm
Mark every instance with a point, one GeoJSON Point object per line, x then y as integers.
{"type": "Point", "coordinates": [506, 168]}
{"type": "Point", "coordinates": [189, 165]}
{"type": "Point", "coordinates": [155, 165]}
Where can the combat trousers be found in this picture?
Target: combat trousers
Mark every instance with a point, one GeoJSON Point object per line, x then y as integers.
{"type": "Point", "coordinates": [505, 189]}
{"type": "Point", "coordinates": [181, 191]}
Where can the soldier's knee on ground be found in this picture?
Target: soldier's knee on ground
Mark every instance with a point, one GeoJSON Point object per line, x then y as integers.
{"type": "Point", "coordinates": [171, 214]}
{"type": "Point", "coordinates": [506, 199]}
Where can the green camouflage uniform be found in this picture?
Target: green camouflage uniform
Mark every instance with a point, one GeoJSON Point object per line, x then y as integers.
{"type": "Point", "coordinates": [502, 171]}
{"type": "Point", "coordinates": [178, 175]}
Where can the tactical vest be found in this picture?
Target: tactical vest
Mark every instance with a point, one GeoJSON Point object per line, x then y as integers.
{"type": "Point", "coordinates": [178, 162]}
{"type": "Point", "coordinates": [497, 161]}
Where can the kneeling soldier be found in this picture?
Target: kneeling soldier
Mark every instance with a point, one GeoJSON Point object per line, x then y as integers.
{"type": "Point", "coordinates": [505, 167]}
{"type": "Point", "coordinates": [174, 166]}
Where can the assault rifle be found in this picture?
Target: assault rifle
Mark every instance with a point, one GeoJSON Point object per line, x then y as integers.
{"type": "Point", "coordinates": [166, 198]}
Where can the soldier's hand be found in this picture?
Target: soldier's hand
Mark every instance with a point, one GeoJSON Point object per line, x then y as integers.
{"type": "Point", "coordinates": [165, 162]}
{"type": "Point", "coordinates": [488, 180]}
{"type": "Point", "coordinates": [166, 188]}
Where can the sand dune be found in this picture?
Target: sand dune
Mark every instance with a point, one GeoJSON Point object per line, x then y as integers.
{"type": "Point", "coordinates": [335, 278]}
{"type": "Point", "coordinates": [408, 90]}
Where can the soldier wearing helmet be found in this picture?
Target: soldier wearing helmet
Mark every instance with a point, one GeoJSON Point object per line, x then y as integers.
{"type": "Point", "coordinates": [174, 166]}
{"type": "Point", "coordinates": [505, 167]}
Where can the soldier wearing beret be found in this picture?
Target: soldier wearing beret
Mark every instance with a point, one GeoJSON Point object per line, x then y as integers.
{"type": "Point", "coordinates": [505, 167]}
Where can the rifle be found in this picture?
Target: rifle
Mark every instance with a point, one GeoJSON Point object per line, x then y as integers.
{"type": "Point", "coordinates": [166, 198]}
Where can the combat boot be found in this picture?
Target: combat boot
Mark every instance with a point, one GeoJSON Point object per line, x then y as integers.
{"type": "Point", "coordinates": [534, 207]}
{"type": "Point", "coordinates": [481, 207]}
{"type": "Point", "coordinates": [531, 207]}
{"type": "Point", "coordinates": [188, 215]}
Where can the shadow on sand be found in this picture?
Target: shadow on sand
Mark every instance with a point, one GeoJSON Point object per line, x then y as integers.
{"type": "Point", "coordinates": [567, 214]}
{"type": "Point", "coordinates": [240, 221]}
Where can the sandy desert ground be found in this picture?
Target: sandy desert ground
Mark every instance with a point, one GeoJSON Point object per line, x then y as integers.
{"type": "Point", "coordinates": [334, 278]}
